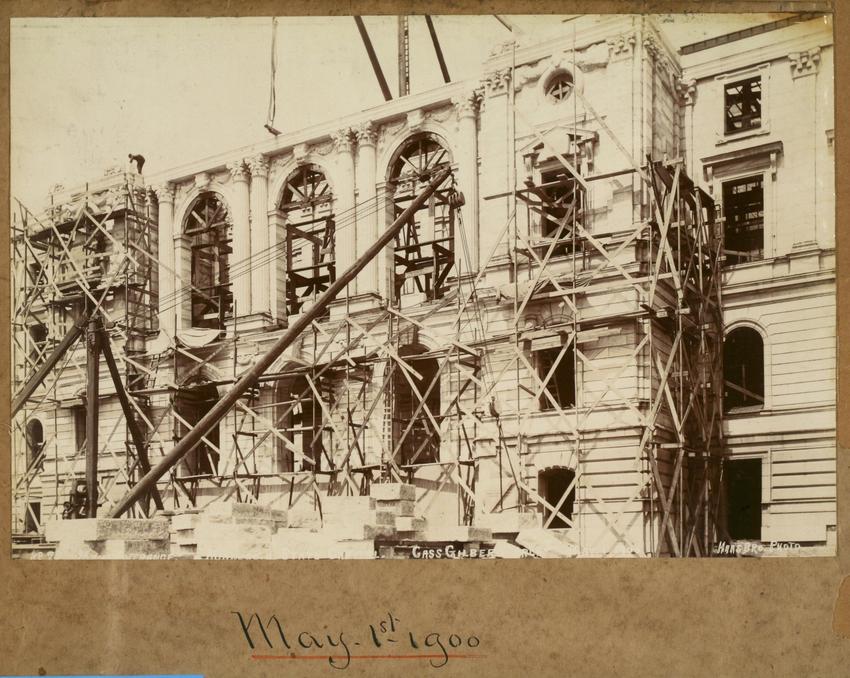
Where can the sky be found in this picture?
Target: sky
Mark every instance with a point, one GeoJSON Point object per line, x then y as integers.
{"type": "Point", "coordinates": [86, 92]}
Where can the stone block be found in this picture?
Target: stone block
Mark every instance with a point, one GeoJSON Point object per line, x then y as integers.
{"type": "Point", "coordinates": [302, 543]}
{"type": "Point", "coordinates": [398, 507]}
{"type": "Point", "coordinates": [409, 523]}
{"type": "Point", "coordinates": [545, 544]}
{"type": "Point", "coordinates": [508, 521]}
{"type": "Point", "coordinates": [360, 549]}
{"type": "Point", "coordinates": [135, 549]}
{"type": "Point", "coordinates": [384, 518]}
{"type": "Point", "coordinates": [98, 529]}
{"type": "Point", "coordinates": [461, 533]}
{"type": "Point", "coordinates": [222, 540]}
{"type": "Point", "coordinates": [379, 532]}
{"type": "Point", "coordinates": [392, 492]}
{"type": "Point", "coordinates": [184, 521]}
{"type": "Point", "coordinates": [503, 549]}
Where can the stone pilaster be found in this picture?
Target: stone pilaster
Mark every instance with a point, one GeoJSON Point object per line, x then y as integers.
{"type": "Point", "coordinates": [241, 259]}
{"type": "Point", "coordinates": [466, 107]}
{"type": "Point", "coordinates": [168, 304]}
{"type": "Point", "coordinates": [368, 213]}
{"type": "Point", "coordinates": [262, 278]}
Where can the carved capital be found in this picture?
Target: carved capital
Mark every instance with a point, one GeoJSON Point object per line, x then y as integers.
{"type": "Point", "coordinates": [621, 45]}
{"type": "Point", "coordinates": [342, 140]}
{"type": "Point", "coordinates": [466, 104]}
{"type": "Point", "coordinates": [238, 170]}
{"type": "Point", "coordinates": [497, 82]}
{"type": "Point", "coordinates": [687, 91]}
{"type": "Point", "coordinates": [366, 134]}
{"type": "Point", "coordinates": [650, 44]}
{"type": "Point", "coordinates": [259, 166]}
{"type": "Point", "coordinates": [804, 63]}
{"type": "Point", "coordinates": [164, 192]}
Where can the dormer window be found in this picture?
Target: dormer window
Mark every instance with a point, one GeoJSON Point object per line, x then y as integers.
{"type": "Point", "coordinates": [742, 105]}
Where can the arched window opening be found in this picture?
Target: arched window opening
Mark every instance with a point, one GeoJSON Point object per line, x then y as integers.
{"type": "Point", "coordinates": [424, 248]}
{"type": "Point", "coordinates": [414, 432]}
{"type": "Point", "coordinates": [299, 420]}
{"type": "Point", "coordinates": [556, 485]}
{"type": "Point", "coordinates": [307, 207]}
{"type": "Point", "coordinates": [35, 441]}
{"type": "Point", "coordinates": [191, 404]}
{"type": "Point", "coordinates": [743, 369]}
{"type": "Point", "coordinates": [209, 228]}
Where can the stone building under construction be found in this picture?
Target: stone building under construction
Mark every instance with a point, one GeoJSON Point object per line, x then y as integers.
{"type": "Point", "coordinates": [606, 327]}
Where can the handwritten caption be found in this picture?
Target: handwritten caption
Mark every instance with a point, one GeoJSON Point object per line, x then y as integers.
{"type": "Point", "coordinates": [387, 638]}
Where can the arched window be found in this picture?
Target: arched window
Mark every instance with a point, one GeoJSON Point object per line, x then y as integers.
{"type": "Point", "coordinates": [191, 404]}
{"type": "Point", "coordinates": [307, 207]}
{"type": "Point", "coordinates": [414, 433]}
{"type": "Point", "coordinates": [743, 369]}
{"type": "Point", "coordinates": [299, 420]}
{"type": "Point", "coordinates": [35, 441]}
{"type": "Point", "coordinates": [553, 484]}
{"type": "Point", "coordinates": [209, 228]}
{"type": "Point", "coordinates": [424, 248]}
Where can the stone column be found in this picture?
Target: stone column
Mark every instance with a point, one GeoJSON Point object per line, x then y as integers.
{"type": "Point", "coordinates": [466, 107]}
{"type": "Point", "coordinates": [368, 214]}
{"type": "Point", "coordinates": [240, 213]}
{"type": "Point", "coordinates": [345, 244]}
{"type": "Point", "coordinates": [261, 256]}
{"type": "Point", "coordinates": [168, 283]}
{"type": "Point", "coordinates": [688, 93]}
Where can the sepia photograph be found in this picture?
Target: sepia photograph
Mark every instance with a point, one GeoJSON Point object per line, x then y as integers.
{"type": "Point", "coordinates": [423, 287]}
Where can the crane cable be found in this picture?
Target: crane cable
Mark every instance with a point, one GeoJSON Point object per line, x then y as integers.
{"type": "Point", "coordinates": [273, 72]}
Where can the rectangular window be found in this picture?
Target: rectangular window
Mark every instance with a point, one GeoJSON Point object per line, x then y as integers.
{"type": "Point", "coordinates": [742, 107]}
{"type": "Point", "coordinates": [743, 211]}
{"type": "Point", "coordinates": [561, 383]}
{"type": "Point", "coordinates": [79, 413]}
{"type": "Point", "coordinates": [743, 507]}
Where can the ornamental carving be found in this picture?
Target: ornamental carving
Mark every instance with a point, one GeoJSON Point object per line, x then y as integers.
{"type": "Point", "coordinates": [687, 91]}
{"type": "Point", "coordinates": [497, 82]}
{"type": "Point", "coordinates": [342, 140]}
{"type": "Point", "coordinates": [621, 45]}
{"type": "Point", "coordinates": [259, 165]}
{"type": "Point", "coordinates": [466, 104]}
{"type": "Point", "coordinates": [804, 63]}
{"type": "Point", "coordinates": [366, 134]}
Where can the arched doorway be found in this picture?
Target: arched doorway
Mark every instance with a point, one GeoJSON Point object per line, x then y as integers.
{"type": "Point", "coordinates": [299, 420]}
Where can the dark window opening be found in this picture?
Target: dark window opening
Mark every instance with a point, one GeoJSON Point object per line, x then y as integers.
{"type": "Point", "coordinates": [35, 442]}
{"type": "Point", "coordinates": [743, 211]}
{"type": "Point", "coordinates": [561, 383]}
{"type": "Point", "coordinates": [307, 206]}
{"type": "Point", "coordinates": [191, 404]}
{"type": "Point", "coordinates": [743, 105]}
{"type": "Point", "coordinates": [553, 484]}
{"type": "Point", "coordinates": [562, 202]}
{"type": "Point", "coordinates": [743, 480]}
{"type": "Point", "coordinates": [33, 517]}
{"type": "Point", "coordinates": [300, 421]}
{"type": "Point", "coordinates": [78, 412]}
{"type": "Point", "coordinates": [424, 248]}
{"type": "Point", "coordinates": [414, 432]}
{"type": "Point", "coordinates": [209, 228]}
{"type": "Point", "coordinates": [743, 369]}
{"type": "Point", "coordinates": [38, 339]}
{"type": "Point", "coordinates": [560, 86]}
